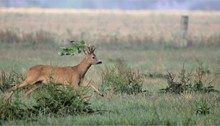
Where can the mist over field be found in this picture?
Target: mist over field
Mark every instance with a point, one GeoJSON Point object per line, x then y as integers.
{"type": "Point", "coordinates": [117, 4]}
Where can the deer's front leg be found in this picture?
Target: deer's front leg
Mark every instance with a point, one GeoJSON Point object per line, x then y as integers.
{"type": "Point", "coordinates": [85, 84]}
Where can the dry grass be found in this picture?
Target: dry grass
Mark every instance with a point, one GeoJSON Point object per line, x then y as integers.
{"type": "Point", "coordinates": [101, 26]}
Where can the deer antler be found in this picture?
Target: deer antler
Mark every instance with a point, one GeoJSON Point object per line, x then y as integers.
{"type": "Point", "coordinates": [89, 49]}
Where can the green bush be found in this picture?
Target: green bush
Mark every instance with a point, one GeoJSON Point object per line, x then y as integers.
{"type": "Point", "coordinates": [61, 100]}
{"type": "Point", "coordinates": [202, 106]}
{"type": "Point", "coordinates": [122, 79]}
{"type": "Point", "coordinates": [14, 110]}
{"type": "Point", "coordinates": [50, 100]}
{"type": "Point", "coordinates": [185, 82]}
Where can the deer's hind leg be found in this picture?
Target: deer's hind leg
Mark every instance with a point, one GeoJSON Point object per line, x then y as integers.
{"type": "Point", "coordinates": [36, 86]}
{"type": "Point", "coordinates": [22, 84]}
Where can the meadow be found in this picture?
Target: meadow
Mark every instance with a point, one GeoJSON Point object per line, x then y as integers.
{"type": "Point", "coordinates": [147, 41]}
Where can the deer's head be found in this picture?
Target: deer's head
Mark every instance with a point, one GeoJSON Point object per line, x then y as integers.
{"type": "Point", "coordinates": [90, 55]}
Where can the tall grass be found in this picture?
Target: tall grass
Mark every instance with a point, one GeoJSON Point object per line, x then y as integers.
{"type": "Point", "coordinates": [119, 27]}
{"type": "Point", "coordinates": [122, 79]}
{"type": "Point", "coordinates": [11, 36]}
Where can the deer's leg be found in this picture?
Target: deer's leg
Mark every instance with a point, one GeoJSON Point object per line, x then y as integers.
{"type": "Point", "coordinates": [36, 86]}
{"type": "Point", "coordinates": [85, 84]}
{"type": "Point", "coordinates": [22, 84]}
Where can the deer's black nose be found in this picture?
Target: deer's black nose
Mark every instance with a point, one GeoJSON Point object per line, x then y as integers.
{"type": "Point", "coordinates": [99, 62]}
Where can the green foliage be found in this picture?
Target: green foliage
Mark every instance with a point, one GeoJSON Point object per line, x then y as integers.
{"type": "Point", "coordinates": [74, 49]}
{"type": "Point", "coordinates": [7, 79]}
{"type": "Point", "coordinates": [202, 106]}
{"type": "Point", "coordinates": [50, 100]}
{"type": "Point", "coordinates": [185, 82]}
{"type": "Point", "coordinates": [61, 100]}
{"type": "Point", "coordinates": [122, 79]}
{"type": "Point", "coordinates": [13, 110]}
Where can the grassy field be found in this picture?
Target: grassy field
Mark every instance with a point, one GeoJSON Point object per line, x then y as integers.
{"type": "Point", "coordinates": [147, 41]}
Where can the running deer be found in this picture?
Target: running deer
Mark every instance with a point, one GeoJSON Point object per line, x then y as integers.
{"type": "Point", "coordinates": [41, 74]}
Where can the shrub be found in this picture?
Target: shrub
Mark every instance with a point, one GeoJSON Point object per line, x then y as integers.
{"type": "Point", "coordinates": [61, 100]}
{"type": "Point", "coordinates": [7, 79]}
{"type": "Point", "coordinates": [122, 79]}
{"type": "Point", "coordinates": [13, 110]}
{"type": "Point", "coordinates": [202, 106]}
{"type": "Point", "coordinates": [50, 100]}
{"type": "Point", "coordinates": [185, 82]}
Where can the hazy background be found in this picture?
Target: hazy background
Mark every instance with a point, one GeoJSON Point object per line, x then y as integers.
{"type": "Point", "coordinates": [117, 4]}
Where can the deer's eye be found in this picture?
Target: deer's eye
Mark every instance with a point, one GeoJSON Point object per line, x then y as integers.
{"type": "Point", "coordinates": [93, 57]}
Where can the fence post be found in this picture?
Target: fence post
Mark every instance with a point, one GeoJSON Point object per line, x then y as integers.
{"type": "Point", "coordinates": [184, 31]}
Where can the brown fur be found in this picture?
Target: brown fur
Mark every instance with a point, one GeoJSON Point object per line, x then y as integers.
{"type": "Point", "coordinates": [40, 74]}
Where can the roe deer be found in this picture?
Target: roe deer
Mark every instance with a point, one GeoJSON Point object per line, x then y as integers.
{"type": "Point", "coordinates": [40, 74]}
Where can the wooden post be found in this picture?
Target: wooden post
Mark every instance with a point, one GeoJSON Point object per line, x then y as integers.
{"type": "Point", "coordinates": [184, 31]}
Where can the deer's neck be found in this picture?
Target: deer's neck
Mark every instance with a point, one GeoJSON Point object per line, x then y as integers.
{"type": "Point", "coordinates": [83, 67]}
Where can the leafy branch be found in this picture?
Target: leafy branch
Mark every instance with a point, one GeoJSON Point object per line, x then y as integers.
{"type": "Point", "coordinates": [75, 48]}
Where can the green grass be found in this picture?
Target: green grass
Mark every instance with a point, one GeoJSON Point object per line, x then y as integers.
{"type": "Point", "coordinates": [155, 109]}
{"type": "Point", "coordinates": [146, 108]}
